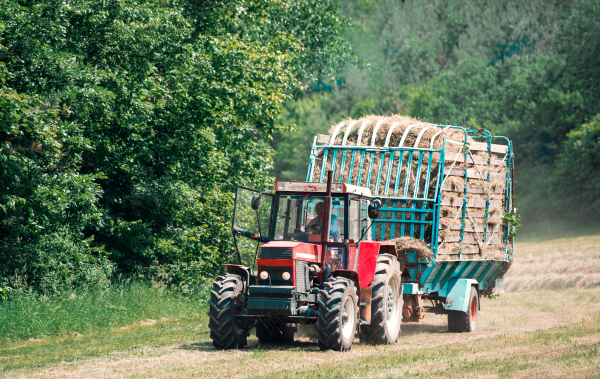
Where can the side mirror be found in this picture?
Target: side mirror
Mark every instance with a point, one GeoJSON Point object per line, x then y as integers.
{"type": "Point", "coordinates": [255, 203]}
{"type": "Point", "coordinates": [373, 209]}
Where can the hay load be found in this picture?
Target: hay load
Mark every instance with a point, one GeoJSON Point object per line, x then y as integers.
{"type": "Point", "coordinates": [410, 177]}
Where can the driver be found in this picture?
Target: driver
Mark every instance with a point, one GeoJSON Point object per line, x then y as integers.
{"type": "Point", "coordinates": [314, 226]}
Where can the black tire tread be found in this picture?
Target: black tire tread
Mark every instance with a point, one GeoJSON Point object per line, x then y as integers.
{"type": "Point", "coordinates": [375, 332]}
{"type": "Point", "coordinates": [223, 300]}
{"type": "Point", "coordinates": [329, 334]}
{"type": "Point", "coordinates": [459, 321]}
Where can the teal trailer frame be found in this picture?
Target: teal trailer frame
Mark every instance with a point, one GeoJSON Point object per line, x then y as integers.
{"type": "Point", "coordinates": [413, 202]}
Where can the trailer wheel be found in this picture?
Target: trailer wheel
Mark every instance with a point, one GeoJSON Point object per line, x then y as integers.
{"type": "Point", "coordinates": [386, 303]}
{"type": "Point", "coordinates": [337, 314]}
{"type": "Point", "coordinates": [225, 301]}
{"type": "Point", "coordinates": [463, 322]}
{"type": "Point", "coordinates": [275, 332]}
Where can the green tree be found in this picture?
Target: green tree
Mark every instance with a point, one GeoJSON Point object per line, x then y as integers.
{"type": "Point", "coordinates": [133, 121]}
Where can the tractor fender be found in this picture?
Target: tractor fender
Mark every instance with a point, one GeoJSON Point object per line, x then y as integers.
{"type": "Point", "coordinates": [242, 271]}
{"type": "Point", "coordinates": [390, 248]}
{"type": "Point", "coordinates": [348, 274]}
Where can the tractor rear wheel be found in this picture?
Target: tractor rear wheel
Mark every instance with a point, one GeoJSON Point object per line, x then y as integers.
{"type": "Point", "coordinates": [386, 303]}
{"type": "Point", "coordinates": [275, 332]}
{"type": "Point", "coordinates": [464, 322]}
{"type": "Point", "coordinates": [337, 314]}
{"type": "Point", "coordinates": [225, 300]}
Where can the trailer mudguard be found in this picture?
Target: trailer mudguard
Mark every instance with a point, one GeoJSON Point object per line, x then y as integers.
{"type": "Point", "coordinates": [458, 296]}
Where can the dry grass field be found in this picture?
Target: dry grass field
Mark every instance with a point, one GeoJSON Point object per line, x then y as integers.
{"type": "Point", "coordinates": [546, 325]}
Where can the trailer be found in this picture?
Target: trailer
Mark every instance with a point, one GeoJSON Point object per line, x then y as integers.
{"type": "Point", "coordinates": [367, 242]}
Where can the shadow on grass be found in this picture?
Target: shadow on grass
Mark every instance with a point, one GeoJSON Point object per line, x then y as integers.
{"type": "Point", "coordinates": [254, 344]}
{"type": "Point", "coordinates": [307, 341]}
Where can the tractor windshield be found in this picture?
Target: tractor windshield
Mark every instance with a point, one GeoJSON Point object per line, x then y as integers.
{"type": "Point", "coordinates": [299, 218]}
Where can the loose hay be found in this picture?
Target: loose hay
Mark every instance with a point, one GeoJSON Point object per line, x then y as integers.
{"type": "Point", "coordinates": [406, 244]}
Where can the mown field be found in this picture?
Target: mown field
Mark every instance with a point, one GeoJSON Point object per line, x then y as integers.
{"type": "Point", "coordinates": [547, 325]}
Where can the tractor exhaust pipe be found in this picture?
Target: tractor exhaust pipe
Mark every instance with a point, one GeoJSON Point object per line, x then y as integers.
{"type": "Point", "coordinates": [326, 222]}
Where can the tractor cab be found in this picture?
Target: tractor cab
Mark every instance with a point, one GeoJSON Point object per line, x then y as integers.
{"type": "Point", "coordinates": [296, 212]}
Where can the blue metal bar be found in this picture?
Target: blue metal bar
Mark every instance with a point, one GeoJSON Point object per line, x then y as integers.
{"type": "Point", "coordinates": [360, 168]}
{"type": "Point", "coordinates": [368, 184]}
{"type": "Point", "coordinates": [313, 156]}
{"type": "Point", "coordinates": [375, 148]}
{"type": "Point", "coordinates": [402, 219]}
{"type": "Point", "coordinates": [389, 173]}
{"type": "Point", "coordinates": [381, 159]}
{"type": "Point", "coordinates": [427, 273]}
{"type": "Point", "coordinates": [422, 236]}
{"type": "Point", "coordinates": [485, 272]}
{"type": "Point", "coordinates": [393, 224]}
{"type": "Point", "coordinates": [407, 209]}
{"type": "Point", "coordinates": [351, 167]}
{"type": "Point", "coordinates": [438, 276]}
{"type": "Point", "coordinates": [429, 159]}
{"type": "Point", "coordinates": [334, 158]}
{"type": "Point", "coordinates": [464, 269]}
{"type": "Point", "coordinates": [323, 165]}
{"type": "Point", "coordinates": [408, 164]}
{"type": "Point", "coordinates": [398, 172]}
{"type": "Point", "coordinates": [406, 198]}
{"type": "Point", "coordinates": [472, 273]}
{"type": "Point", "coordinates": [448, 276]}
{"type": "Point", "coordinates": [342, 166]}
{"type": "Point", "coordinates": [405, 221]}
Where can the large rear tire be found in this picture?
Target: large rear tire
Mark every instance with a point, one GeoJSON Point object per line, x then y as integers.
{"type": "Point", "coordinates": [271, 332]}
{"type": "Point", "coordinates": [225, 300]}
{"type": "Point", "coordinates": [386, 303]}
{"type": "Point", "coordinates": [464, 322]}
{"type": "Point", "coordinates": [337, 314]}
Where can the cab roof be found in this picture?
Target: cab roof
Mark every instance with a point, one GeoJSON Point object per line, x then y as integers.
{"type": "Point", "coordinates": [293, 186]}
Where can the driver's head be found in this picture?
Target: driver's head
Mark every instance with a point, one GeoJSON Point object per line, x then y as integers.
{"type": "Point", "coordinates": [320, 209]}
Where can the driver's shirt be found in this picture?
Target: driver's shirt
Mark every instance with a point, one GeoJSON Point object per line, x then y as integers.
{"type": "Point", "coordinates": [334, 228]}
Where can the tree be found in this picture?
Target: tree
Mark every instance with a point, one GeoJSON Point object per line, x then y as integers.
{"type": "Point", "coordinates": [146, 115]}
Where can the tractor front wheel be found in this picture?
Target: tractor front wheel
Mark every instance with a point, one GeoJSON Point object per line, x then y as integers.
{"type": "Point", "coordinates": [464, 322]}
{"type": "Point", "coordinates": [386, 303]}
{"type": "Point", "coordinates": [337, 314]}
{"type": "Point", "coordinates": [225, 301]}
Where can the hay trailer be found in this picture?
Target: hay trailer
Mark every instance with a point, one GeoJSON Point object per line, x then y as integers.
{"type": "Point", "coordinates": [394, 213]}
{"type": "Point", "coordinates": [447, 196]}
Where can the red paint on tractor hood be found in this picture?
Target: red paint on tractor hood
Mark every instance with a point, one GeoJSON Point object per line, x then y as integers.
{"type": "Point", "coordinates": [303, 251]}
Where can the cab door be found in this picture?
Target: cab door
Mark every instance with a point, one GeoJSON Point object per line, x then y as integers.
{"type": "Point", "coordinates": [252, 221]}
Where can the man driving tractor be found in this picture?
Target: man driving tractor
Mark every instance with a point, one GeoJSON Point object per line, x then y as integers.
{"type": "Point", "coordinates": [314, 225]}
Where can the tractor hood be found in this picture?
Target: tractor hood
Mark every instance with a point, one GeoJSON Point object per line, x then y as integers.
{"type": "Point", "coordinates": [303, 251]}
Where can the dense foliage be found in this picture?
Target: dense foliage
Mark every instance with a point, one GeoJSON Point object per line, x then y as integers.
{"type": "Point", "coordinates": [527, 70]}
{"type": "Point", "coordinates": [125, 126]}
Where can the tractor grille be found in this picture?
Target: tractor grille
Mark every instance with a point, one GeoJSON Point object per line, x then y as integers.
{"type": "Point", "coordinates": [302, 282]}
{"type": "Point", "coordinates": [275, 253]}
{"type": "Point", "coordinates": [267, 300]}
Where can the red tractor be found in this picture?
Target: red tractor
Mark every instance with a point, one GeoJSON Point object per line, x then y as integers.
{"type": "Point", "coordinates": [317, 265]}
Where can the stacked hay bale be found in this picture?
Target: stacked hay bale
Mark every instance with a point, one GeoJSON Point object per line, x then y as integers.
{"type": "Point", "coordinates": [481, 240]}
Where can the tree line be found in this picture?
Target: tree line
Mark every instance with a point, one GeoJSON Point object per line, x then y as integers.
{"type": "Point", "coordinates": [125, 126]}
{"type": "Point", "coordinates": [526, 70]}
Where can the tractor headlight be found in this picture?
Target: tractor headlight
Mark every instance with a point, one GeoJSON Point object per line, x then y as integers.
{"type": "Point", "coordinates": [286, 276]}
{"type": "Point", "coordinates": [264, 275]}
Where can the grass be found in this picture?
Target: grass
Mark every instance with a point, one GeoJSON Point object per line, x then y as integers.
{"type": "Point", "coordinates": [532, 333]}
{"type": "Point", "coordinates": [28, 317]}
